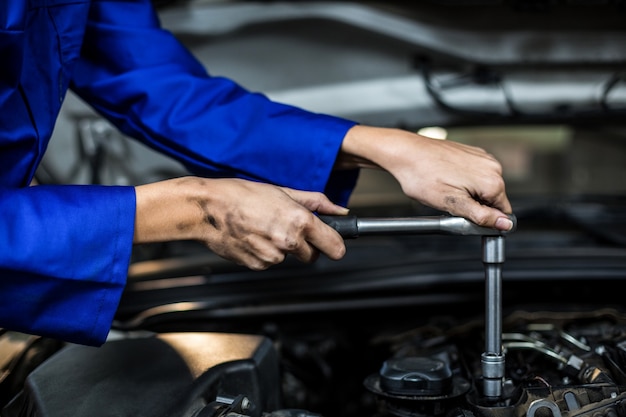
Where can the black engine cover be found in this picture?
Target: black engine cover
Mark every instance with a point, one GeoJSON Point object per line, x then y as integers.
{"type": "Point", "coordinates": [175, 374]}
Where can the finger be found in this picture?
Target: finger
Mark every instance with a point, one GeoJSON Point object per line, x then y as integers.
{"type": "Point", "coordinates": [307, 236]}
{"type": "Point", "coordinates": [496, 197]}
{"type": "Point", "coordinates": [502, 202]}
{"type": "Point", "coordinates": [327, 240]}
{"type": "Point", "coordinates": [315, 201]}
{"type": "Point", "coordinates": [255, 252]}
{"type": "Point", "coordinates": [305, 252]}
{"type": "Point", "coordinates": [292, 240]}
{"type": "Point", "coordinates": [480, 214]}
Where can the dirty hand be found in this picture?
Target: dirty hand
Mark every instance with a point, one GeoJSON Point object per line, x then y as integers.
{"type": "Point", "coordinates": [253, 224]}
{"type": "Point", "coordinates": [449, 176]}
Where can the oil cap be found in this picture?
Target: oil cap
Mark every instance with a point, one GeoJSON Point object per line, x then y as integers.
{"type": "Point", "coordinates": [411, 376]}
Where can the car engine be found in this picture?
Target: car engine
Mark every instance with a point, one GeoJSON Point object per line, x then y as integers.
{"type": "Point", "coordinates": [557, 364]}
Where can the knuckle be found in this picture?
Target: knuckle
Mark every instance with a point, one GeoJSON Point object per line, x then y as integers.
{"type": "Point", "coordinates": [317, 196]}
{"type": "Point", "coordinates": [274, 259]}
{"type": "Point", "coordinates": [481, 219]}
{"type": "Point", "coordinates": [290, 244]}
{"type": "Point", "coordinates": [497, 182]}
{"type": "Point", "coordinates": [302, 220]}
{"type": "Point", "coordinates": [305, 217]}
{"type": "Point", "coordinates": [257, 266]}
{"type": "Point", "coordinates": [261, 264]}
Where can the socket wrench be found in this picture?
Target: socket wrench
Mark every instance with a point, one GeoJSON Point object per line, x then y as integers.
{"type": "Point", "coordinates": [492, 359]}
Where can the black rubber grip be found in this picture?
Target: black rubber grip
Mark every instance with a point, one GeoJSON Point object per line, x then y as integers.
{"type": "Point", "coordinates": [346, 225]}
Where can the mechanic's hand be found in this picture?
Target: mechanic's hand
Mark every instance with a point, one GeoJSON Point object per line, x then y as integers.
{"type": "Point", "coordinates": [459, 179]}
{"type": "Point", "coordinates": [253, 224]}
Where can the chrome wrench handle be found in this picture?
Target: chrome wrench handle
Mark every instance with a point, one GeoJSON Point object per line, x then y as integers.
{"type": "Point", "coordinates": [351, 227]}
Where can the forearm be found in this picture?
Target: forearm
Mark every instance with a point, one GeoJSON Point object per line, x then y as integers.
{"type": "Point", "coordinates": [370, 147]}
{"type": "Point", "coordinates": [449, 176]}
{"type": "Point", "coordinates": [212, 125]}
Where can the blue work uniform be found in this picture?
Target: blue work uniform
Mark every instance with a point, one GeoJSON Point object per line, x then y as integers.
{"type": "Point", "coordinates": [65, 249]}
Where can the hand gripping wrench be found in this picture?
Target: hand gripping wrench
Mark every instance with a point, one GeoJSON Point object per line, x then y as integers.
{"type": "Point", "coordinates": [492, 359]}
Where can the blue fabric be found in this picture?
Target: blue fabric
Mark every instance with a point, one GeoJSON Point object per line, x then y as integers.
{"type": "Point", "coordinates": [64, 250]}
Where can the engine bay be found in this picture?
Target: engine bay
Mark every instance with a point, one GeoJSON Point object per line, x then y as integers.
{"type": "Point", "coordinates": [557, 363]}
{"type": "Point", "coordinates": [396, 329]}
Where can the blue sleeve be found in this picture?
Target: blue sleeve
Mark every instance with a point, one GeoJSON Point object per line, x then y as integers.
{"type": "Point", "coordinates": [63, 275]}
{"type": "Point", "coordinates": [147, 83]}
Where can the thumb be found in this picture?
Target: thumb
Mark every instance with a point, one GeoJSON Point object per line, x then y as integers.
{"type": "Point", "coordinates": [316, 201]}
{"type": "Point", "coordinates": [481, 214]}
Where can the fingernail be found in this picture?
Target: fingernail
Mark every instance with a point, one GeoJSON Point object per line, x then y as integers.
{"type": "Point", "coordinates": [504, 223]}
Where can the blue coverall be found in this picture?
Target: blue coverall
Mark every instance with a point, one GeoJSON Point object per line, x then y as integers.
{"type": "Point", "coordinates": [65, 249]}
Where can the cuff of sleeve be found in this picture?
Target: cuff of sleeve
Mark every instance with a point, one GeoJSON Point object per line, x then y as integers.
{"type": "Point", "coordinates": [69, 258]}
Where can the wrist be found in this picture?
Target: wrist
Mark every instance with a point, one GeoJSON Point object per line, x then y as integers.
{"type": "Point", "coordinates": [165, 211]}
{"type": "Point", "coordinates": [371, 147]}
